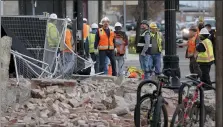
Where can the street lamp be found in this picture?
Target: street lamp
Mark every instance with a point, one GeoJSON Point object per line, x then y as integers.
{"type": "Point", "coordinates": [171, 60]}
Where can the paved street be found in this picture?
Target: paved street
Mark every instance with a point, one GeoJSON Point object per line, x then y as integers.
{"type": "Point", "coordinates": [132, 60]}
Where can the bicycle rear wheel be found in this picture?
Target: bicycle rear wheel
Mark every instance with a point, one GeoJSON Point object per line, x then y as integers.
{"type": "Point", "coordinates": [148, 112]}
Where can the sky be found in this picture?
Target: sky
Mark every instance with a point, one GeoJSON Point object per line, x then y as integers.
{"type": "Point", "coordinates": [197, 3]}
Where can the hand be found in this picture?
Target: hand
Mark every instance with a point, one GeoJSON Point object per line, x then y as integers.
{"type": "Point", "coordinates": [95, 51]}
{"type": "Point", "coordinates": [115, 50]}
{"type": "Point", "coordinates": [143, 54]}
{"type": "Point", "coordinates": [163, 52]}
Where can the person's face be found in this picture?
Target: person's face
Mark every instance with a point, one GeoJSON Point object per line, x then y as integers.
{"type": "Point", "coordinates": [191, 33]}
{"type": "Point", "coordinates": [153, 30]}
{"type": "Point", "coordinates": [144, 26]}
{"type": "Point", "coordinates": [209, 28]}
{"type": "Point", "coordinates": [105, 24]}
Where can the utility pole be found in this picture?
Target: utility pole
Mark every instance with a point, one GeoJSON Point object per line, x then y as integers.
{"type": "Point", "coordinates": [219, 63]}
{"type": "Point", "coordinates": [80, 25]}
{"type": "Point", "coordinates": [171, 60]}
{"type": "Point", "coordinates": [100, 10]}
{"type": "Point", "coordinates": [145, 9]}
{"type": "Point", "coordinates": [139, 19]}
{"type": "Point", "coordinates": [124, 7]}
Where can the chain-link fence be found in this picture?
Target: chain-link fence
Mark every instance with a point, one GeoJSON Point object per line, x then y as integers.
{"type": "Point", "coordinates": [28, 31]}
{"type": "Point", "coordinates": [40, 48]}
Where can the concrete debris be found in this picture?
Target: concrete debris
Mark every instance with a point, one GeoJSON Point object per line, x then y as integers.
{"type": "Point", "coordinates": [88, 103]}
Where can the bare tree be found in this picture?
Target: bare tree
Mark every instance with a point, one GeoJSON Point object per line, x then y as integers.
{"type": "Point", "coordinates": [212, 10]}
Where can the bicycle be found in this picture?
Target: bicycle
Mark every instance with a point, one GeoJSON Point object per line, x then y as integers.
{"type": "Point", "coordinates": [157, 101]}
{"type": "Point", "coordinates": [190, 110]}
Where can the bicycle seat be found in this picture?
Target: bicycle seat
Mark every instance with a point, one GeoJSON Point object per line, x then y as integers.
{"type": "Point", "coordinates": [192, 76]}
{"type": "Point", "coordinates": [163, 77]}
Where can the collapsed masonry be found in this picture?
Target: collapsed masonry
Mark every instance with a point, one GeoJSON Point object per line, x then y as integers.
{"type": "Point", "coordinates": [97, 101]}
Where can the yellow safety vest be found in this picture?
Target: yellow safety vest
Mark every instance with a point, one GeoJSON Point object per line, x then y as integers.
{"type": "Point", "coordinates": [91, 40]}
{"type": "Point", "coordinates": [52, 35]}
{"type": "Point", "coordinates": [159, 40]}
{"type": "Point", "coordinates": [208, 55]}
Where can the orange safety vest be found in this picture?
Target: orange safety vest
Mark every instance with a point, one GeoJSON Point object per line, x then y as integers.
{"type": "Point", "coordinates": [68, 41]}
{"type": "Point", "coordinates": [86, 30]}
{"type": "Point", "coordinates": [191, 46]}
{"type": "Point", "coordinates": [120, 44]}
{"type": "Point", "coordinates": [105, 42]}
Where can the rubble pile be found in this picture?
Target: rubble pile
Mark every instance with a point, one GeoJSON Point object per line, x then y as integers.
{"type": "Point", "coordinates": [87, 103]}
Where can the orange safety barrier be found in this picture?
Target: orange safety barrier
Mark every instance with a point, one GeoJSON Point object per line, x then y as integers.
{"type": "Point", "coordinates": [109, 69]}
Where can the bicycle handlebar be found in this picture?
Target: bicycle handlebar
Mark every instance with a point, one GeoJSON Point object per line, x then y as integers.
{"type": "Point", "coordinates": [194, 80]}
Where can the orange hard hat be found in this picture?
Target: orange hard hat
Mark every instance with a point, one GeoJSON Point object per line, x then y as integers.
{"type": "Point", "coordinates": [133, 75]}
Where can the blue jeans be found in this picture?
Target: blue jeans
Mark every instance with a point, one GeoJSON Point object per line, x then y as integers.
{"type": "Point", "coordinates": [144, 64]}
{"type": "Point", "coordinates": [155, 62]}
{"type": "Point", "coordinates": [69, 62]}
{"type": "Point", "coordinates": [107, 61]}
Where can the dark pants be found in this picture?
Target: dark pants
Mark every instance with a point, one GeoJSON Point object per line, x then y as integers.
{"type": "Point", "coordinates": [95, 58]}
{"type": "Point", "coordinates": [111, 55]}
{"type": "Point", "coordinates": [194, 67]}
{"type": "Point", "coordinates": [205, 72]}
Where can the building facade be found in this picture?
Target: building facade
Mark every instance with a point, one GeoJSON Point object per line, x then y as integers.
{"type": "Point", "coordinates": [62, 8]}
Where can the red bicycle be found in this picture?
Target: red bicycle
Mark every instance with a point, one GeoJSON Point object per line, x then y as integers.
{"type": "Point", "coordinates": [190, 110]}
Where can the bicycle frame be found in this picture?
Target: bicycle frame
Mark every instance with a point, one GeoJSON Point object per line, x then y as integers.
{"type": "Point", "coordinates": [193, 100]}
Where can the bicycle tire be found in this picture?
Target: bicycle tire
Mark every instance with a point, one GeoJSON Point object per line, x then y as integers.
{"type": "Point", "coordinates": [195, 110]}
{"type": "Point", "coordinates": [157, 112]}
{"type": "Point", "coordinates": [147, 96]}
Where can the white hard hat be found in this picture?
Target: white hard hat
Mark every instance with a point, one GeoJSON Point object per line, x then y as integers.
{"type": "Point", "coordinates": [53, 16]}
{"type": "Point", "coordinates": [204, 31]}
{"type": "Point", "coordinates": [100, 23]}
{"type": "Point", "coordinates": [84, 19]}
{"type": "Point", "coordinates": [118, 24]}
{"type": "Point", "coordinates": [105, 19]}
{"type": "Point", "coordinates": [94, 25]}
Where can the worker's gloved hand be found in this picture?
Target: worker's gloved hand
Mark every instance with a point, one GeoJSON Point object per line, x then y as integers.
{"type": "Point", "coordinates": [95, 51]}
{"type": "Point", "coordinates": [115, 50]}
{"type": "Point", "coordinates": [163, 52]}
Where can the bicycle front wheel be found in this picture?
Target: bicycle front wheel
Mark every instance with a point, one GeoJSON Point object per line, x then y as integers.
{"type": "Point", "coordinates": [157, 119]}
{"type": "Point", "coordinates": [178, 117]}
{"type": "Point", "coordinates": [163, 117]}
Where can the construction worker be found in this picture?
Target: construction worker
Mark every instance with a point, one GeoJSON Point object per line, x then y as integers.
{"type": "Point", "coordinates": [121, 41]}
{"type": "Point", "coordinates": [104, 44]}
{"type": "Point", "coordinates": [91, 40]}
{"type": "Point", "coordinates": [53, 40]}
{"type": "Point", "coordinates": [156, 48]}
{"type": "Point", "coordinates": [142, 48]}
{"type": "Point", "coordinates": [100, 25]}
{"type": "Point", "coordinates": [212, 36]}
{"type": "Point", "coordinates": [67, 53]}
{"type": "Point", "coordinates": [200, 22]}
{"type": "Point", "coordinates": [107, 62]}
{"type": "Point", "coordinates": [191, 50]}
{"type": "Point", "coordinates": [52, 31]}
{"type": "Point", "coordinates": [205, 57]}
{"type": "Point", "coordinates": [86, 29]}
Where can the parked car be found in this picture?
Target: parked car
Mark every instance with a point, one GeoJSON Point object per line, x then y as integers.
{"type": "Point", "coordinates": [130, 25]}
{"type": "Point", "coordinates": [179, 37]}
